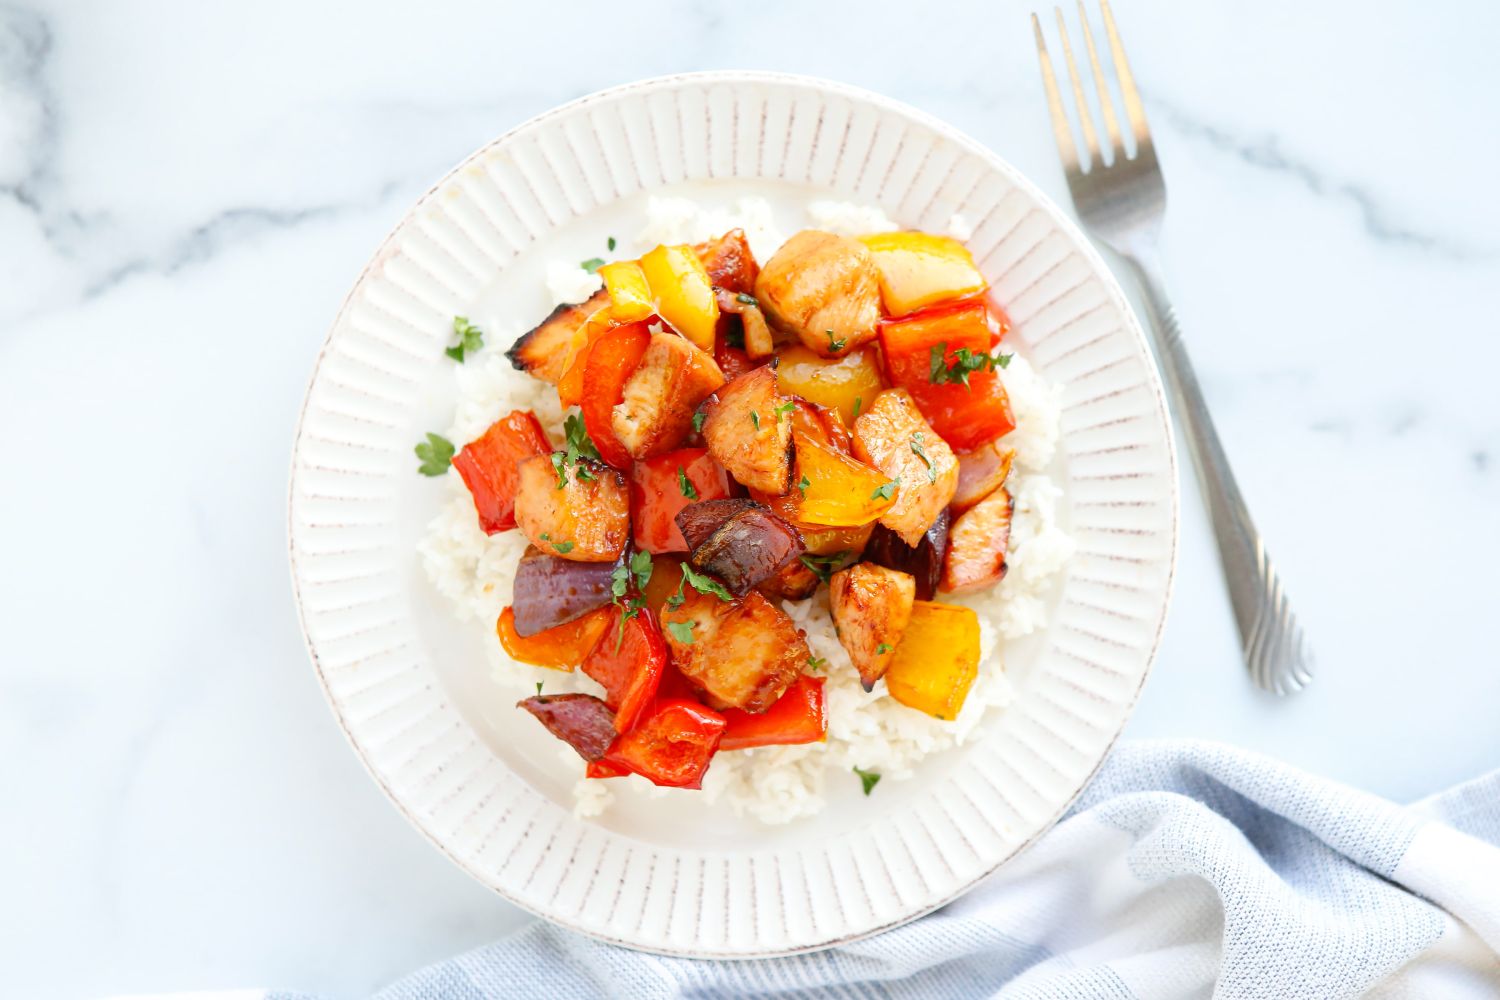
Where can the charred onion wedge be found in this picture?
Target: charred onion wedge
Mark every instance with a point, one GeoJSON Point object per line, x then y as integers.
{"type": "Point", "coordinates": [580, 720]}
{"type": "Point", "coordinates": [546, 350]}
{"type": "Point", "coordinates": [550, 591]}
{"type": "Point", "coordinates": [924, 561]}
{"type": "Point", "coordinates": [749, 547]}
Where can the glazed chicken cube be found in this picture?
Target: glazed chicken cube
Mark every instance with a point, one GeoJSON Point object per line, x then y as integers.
{"type": "Point", "coordinates": [977, 544]}
{"type": "Point", "coordinates": [870, 606]}
{"type": "Point", "coordinates": [892, 436]}
{"type": "Point", "coordinates": [544, 352]}
{"type": "Point", "coordinates": [655, 414]}
{"type": "Point", "coordinates": [740, 654]}
{"type": "Point", "coordinates": [824, 289]}
{"type": "Point", "coordinates": [747, 429]}
{"type": "Point", "coordinates": [586, 519]}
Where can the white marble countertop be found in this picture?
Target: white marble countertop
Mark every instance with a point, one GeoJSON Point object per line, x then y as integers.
{"type": "Point", "coordinates": [186, 193]}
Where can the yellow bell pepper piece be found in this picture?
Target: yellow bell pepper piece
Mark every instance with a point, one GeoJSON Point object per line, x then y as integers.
{"type": "Point", "coordinates": [629, 294]}
{"type": "Point", "coordinates": [835, 490]}
{"type": "Point", "coordinates": [848, 384]}
{"type": "Point", "coordinates": [936, 660]}
{"type": "Point", "coordinates": [683, 295]}
{"type": "Point", "coordinates": [920, 269]}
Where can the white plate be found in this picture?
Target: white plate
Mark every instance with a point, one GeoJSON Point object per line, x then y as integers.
{"type": "Point", "coordinates": [409, 686]}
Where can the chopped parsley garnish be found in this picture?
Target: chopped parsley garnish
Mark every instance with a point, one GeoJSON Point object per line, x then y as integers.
{"type": "Point", "coordinates": [857, 401]}
{"type": "Point", "coordinates": [786, 407]}
{"type": "Point", "coordinates": [686, 487]}
{"type": "Point", "coordinates": [470, 339]}
{"type": "Point", "coordinates": [835, 345]}
{"type": "Point", "coordinates": [816, 663]}
{"type": "Point", "coordinates": [735, 337]}
{"type": "Point", "coordinates": [867, 779]}
{"type": "Point", "coordinates": [436, 454]}
{"type": "Point", "coordinates": [887, 491]}
{"type": "Point", "coordinates": [682, 631]}
{"type": "Point", "coordinates": [538, 687]}
{"type": "Point", "coordinates": [592, 265]}
{"type": "Point", "coordinates": [704, 584]}
{"type": "Point", "coordinates": [882, 649]}
{"type": "Point", "coordinates": [562, 548]}
{"type": "Point", "coordinates": [698, 421]}
{"type": "Point", "coordinates": [578, 446]}
{"type": "Point", "coordinates": [965, 363]}
{"type": "Point", "coordinates": [747, 300]}
{"type": "Point", "coordinates": [620, 578]}
{"type": "Point", "coordinates": [803, 485]}
{"type": "Point", "coordinates": [611, 243]}
{"type": "Point", "coordinates": [755, 419]}
{"type": "Point", "coordinates": [920, 452]}
{"type": "Point", "coordinates": [823, 566]}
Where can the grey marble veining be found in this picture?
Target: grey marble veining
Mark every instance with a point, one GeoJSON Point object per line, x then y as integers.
{"type": "Point", "coordinates": [187, 191]}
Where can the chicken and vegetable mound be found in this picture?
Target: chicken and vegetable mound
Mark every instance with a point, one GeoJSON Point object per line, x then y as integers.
{"type": "Point", "coordinates": [745, 432]}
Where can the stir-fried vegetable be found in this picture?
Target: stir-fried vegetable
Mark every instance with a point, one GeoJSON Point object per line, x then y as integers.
{"type": "Point", "coordinates": [562, 647]}
{"type": "Point", "coordinates": [700, 520]}
{"type": "Point", "coordinates": [546, 350]}
{"type": "Point", "coordinates": [488, 466]}
{"type": "Point", "coordinates": [611, 363]}
{"type": "Point", "coordinates": [921, 269]}
{"type": "Point", "coordinates": [942, 357]}
{"type": "Point", "coordinates": [580, 720]}
{"type": "Point", "coordinates": [671, 746]}
{"type": "Point", "coordinates": [683, 294]}
{"type": "Point", "coordinates": [550, 591]}
{"type": "Point", "coordinates": [847, 384]}
{"type": "Point", "coordinates": [833, 489]}
{"type": "Point", "coordinates": [980, 473]}
{"type": "Point", "coordinates": [870, 606]}
{"type": "Point", "coordinates": [629, 294]}
{"type": "Point", "coordinates": [937, 660]}
{"type": "Point", "coordinates": [660, 487]}
{"type": "Point", "coordinates": [746, 549]}
{"type": "Point", "coordinates": [628, 661]}
{"type": "Point", "coordinates": [799, 716]}
{"type": "Point", "coordinates": [923, 561]}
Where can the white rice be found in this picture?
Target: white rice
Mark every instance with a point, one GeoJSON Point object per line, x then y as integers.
{"type": "Point", "coordinates": [865, 729]}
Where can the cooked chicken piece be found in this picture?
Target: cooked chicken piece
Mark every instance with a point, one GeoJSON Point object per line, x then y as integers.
{"type": "Point", "coordinates": [747, 430]}
{"type": "Point", "coordinates": [587, 519]}
{"type": "Point", "coordinates": [743, 653]}
{"type": "Point", "coordinates": [824, 289]}
{"type": "Point", "coordinates": [980, 473]}
{"type": "Point", "coordinates": [795, 582]}
{"type": "Point", "coordinates": [655, 413]}
{"type": "Point", "coordinates": [977, 544]}
{"type": "Point", "coordinates": [870, 606]}
{"type": "Point", "coordinates": [544, 352]}
{"type": "Point", "coordinates": [729, 262]}
{"type": "Point", "coordinates": [892, 436]}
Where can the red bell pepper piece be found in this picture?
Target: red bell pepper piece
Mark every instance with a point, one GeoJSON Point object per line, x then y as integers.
{"type": "Point", "coordinates": [965, 416]}
{"type": "Point", "coordinates": [629, 665]}
{"type": "Point", "coordinates": [732, 361]}
{"type": "Point", "coordinates": [798, 716]}
{"type": "Point", "coordinates": [488, 466]}
{"type": "Point", "coordinates": [671, 746]}
{"type": "Point", "coordinates": [611, 361]}
{"type": "Point", "coordinates": [656, 495]}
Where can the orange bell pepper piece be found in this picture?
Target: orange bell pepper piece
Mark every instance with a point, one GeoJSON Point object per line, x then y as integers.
{"type": "Point", "coordinates": [937, 659]}
{"type": "Point", "coordinates": [562, 647]}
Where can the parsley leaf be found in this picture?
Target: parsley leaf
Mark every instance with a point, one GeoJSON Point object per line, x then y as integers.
{"type": "Point", "coordinates": [558, 467]}
{"type": "Point", "coordinates": [867, 779]}
{"type": "Point", "coordinates": [592, 265]}
{"type": "Point", "coordinates": [965, 363]}
{"type": "Point", "coordinates": [747, 300]}
{"type": "Point", "coordinates": [562, 548]}
{"type": "Point", "coordinates": [786, 407]}
{"type": "Point", "coordinates": [685, 486]}
{"type": "Point", "coordinates": [882, 649]}
{"type": "Point", "coordinates": [704, 584]}
{"type": "Point", "coordinates": [470, 339]}
{"type": "Point", "coordinates": [675, 601]}
{"type": "Point", "coordinates": [823, 567]}
{"type": "Point", "coordinates": [887, 491]}
{"type": "Point", "coordinates": [920, 452]}
{"type": "Point", "coordinates": [698, 418]}
{"type": "Point", "coordinates": [755, 419]}
{"type": "Point", "coordinates": [836, 345]}
{"type": "Point", "coordinates": [436, 454]}
{"type": "Point", "coordinates": [538, 687]}
{"type": "Point", "coordinates": [682, 631]}
{"type": "Point", "coordinates": [816, 663]}
{"type": "Point", "coordinates": [857, 401]}
{"type": "Point", "coordinates": [611, 243]}
{"type": "Point", "coordinates": [641, 565]}
{"type": "Point", "coordinates": [803, 485]}
{"type": "Point", "coordinates": [580, 445]}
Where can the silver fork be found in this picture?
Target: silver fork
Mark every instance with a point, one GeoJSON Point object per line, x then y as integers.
{"type": "Point", "coordinates": [1122, 202]}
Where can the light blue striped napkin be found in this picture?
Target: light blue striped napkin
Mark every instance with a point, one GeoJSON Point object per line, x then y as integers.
{"type": "Point", "coordinates": [1185, 870]}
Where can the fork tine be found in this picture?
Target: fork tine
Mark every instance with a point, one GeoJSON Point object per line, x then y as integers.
{"type": "Point", "coordinates": [1106, 103]}
{"type": "Point", "coordinates": [1060, 129]}
{"type": "Point", "coordinates": [1134, 109]}
{"type": "Point", "coordinates": [1085, 119]}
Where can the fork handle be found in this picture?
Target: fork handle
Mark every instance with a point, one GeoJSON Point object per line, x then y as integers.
{"type": "Point", "coordinates": [1275, 649]}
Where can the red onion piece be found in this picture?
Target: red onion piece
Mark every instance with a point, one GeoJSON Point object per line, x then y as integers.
{"type": "Point", "coordinates": [697, 521]}
{"type": "Point", "coordinates": [924, 561]}
{"type": "Point", "coordinates": [580, 720]}
{"type": "Point", "coordinates": [550, 591]}
{"type": "Point", "coordinates": [748, 548]}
